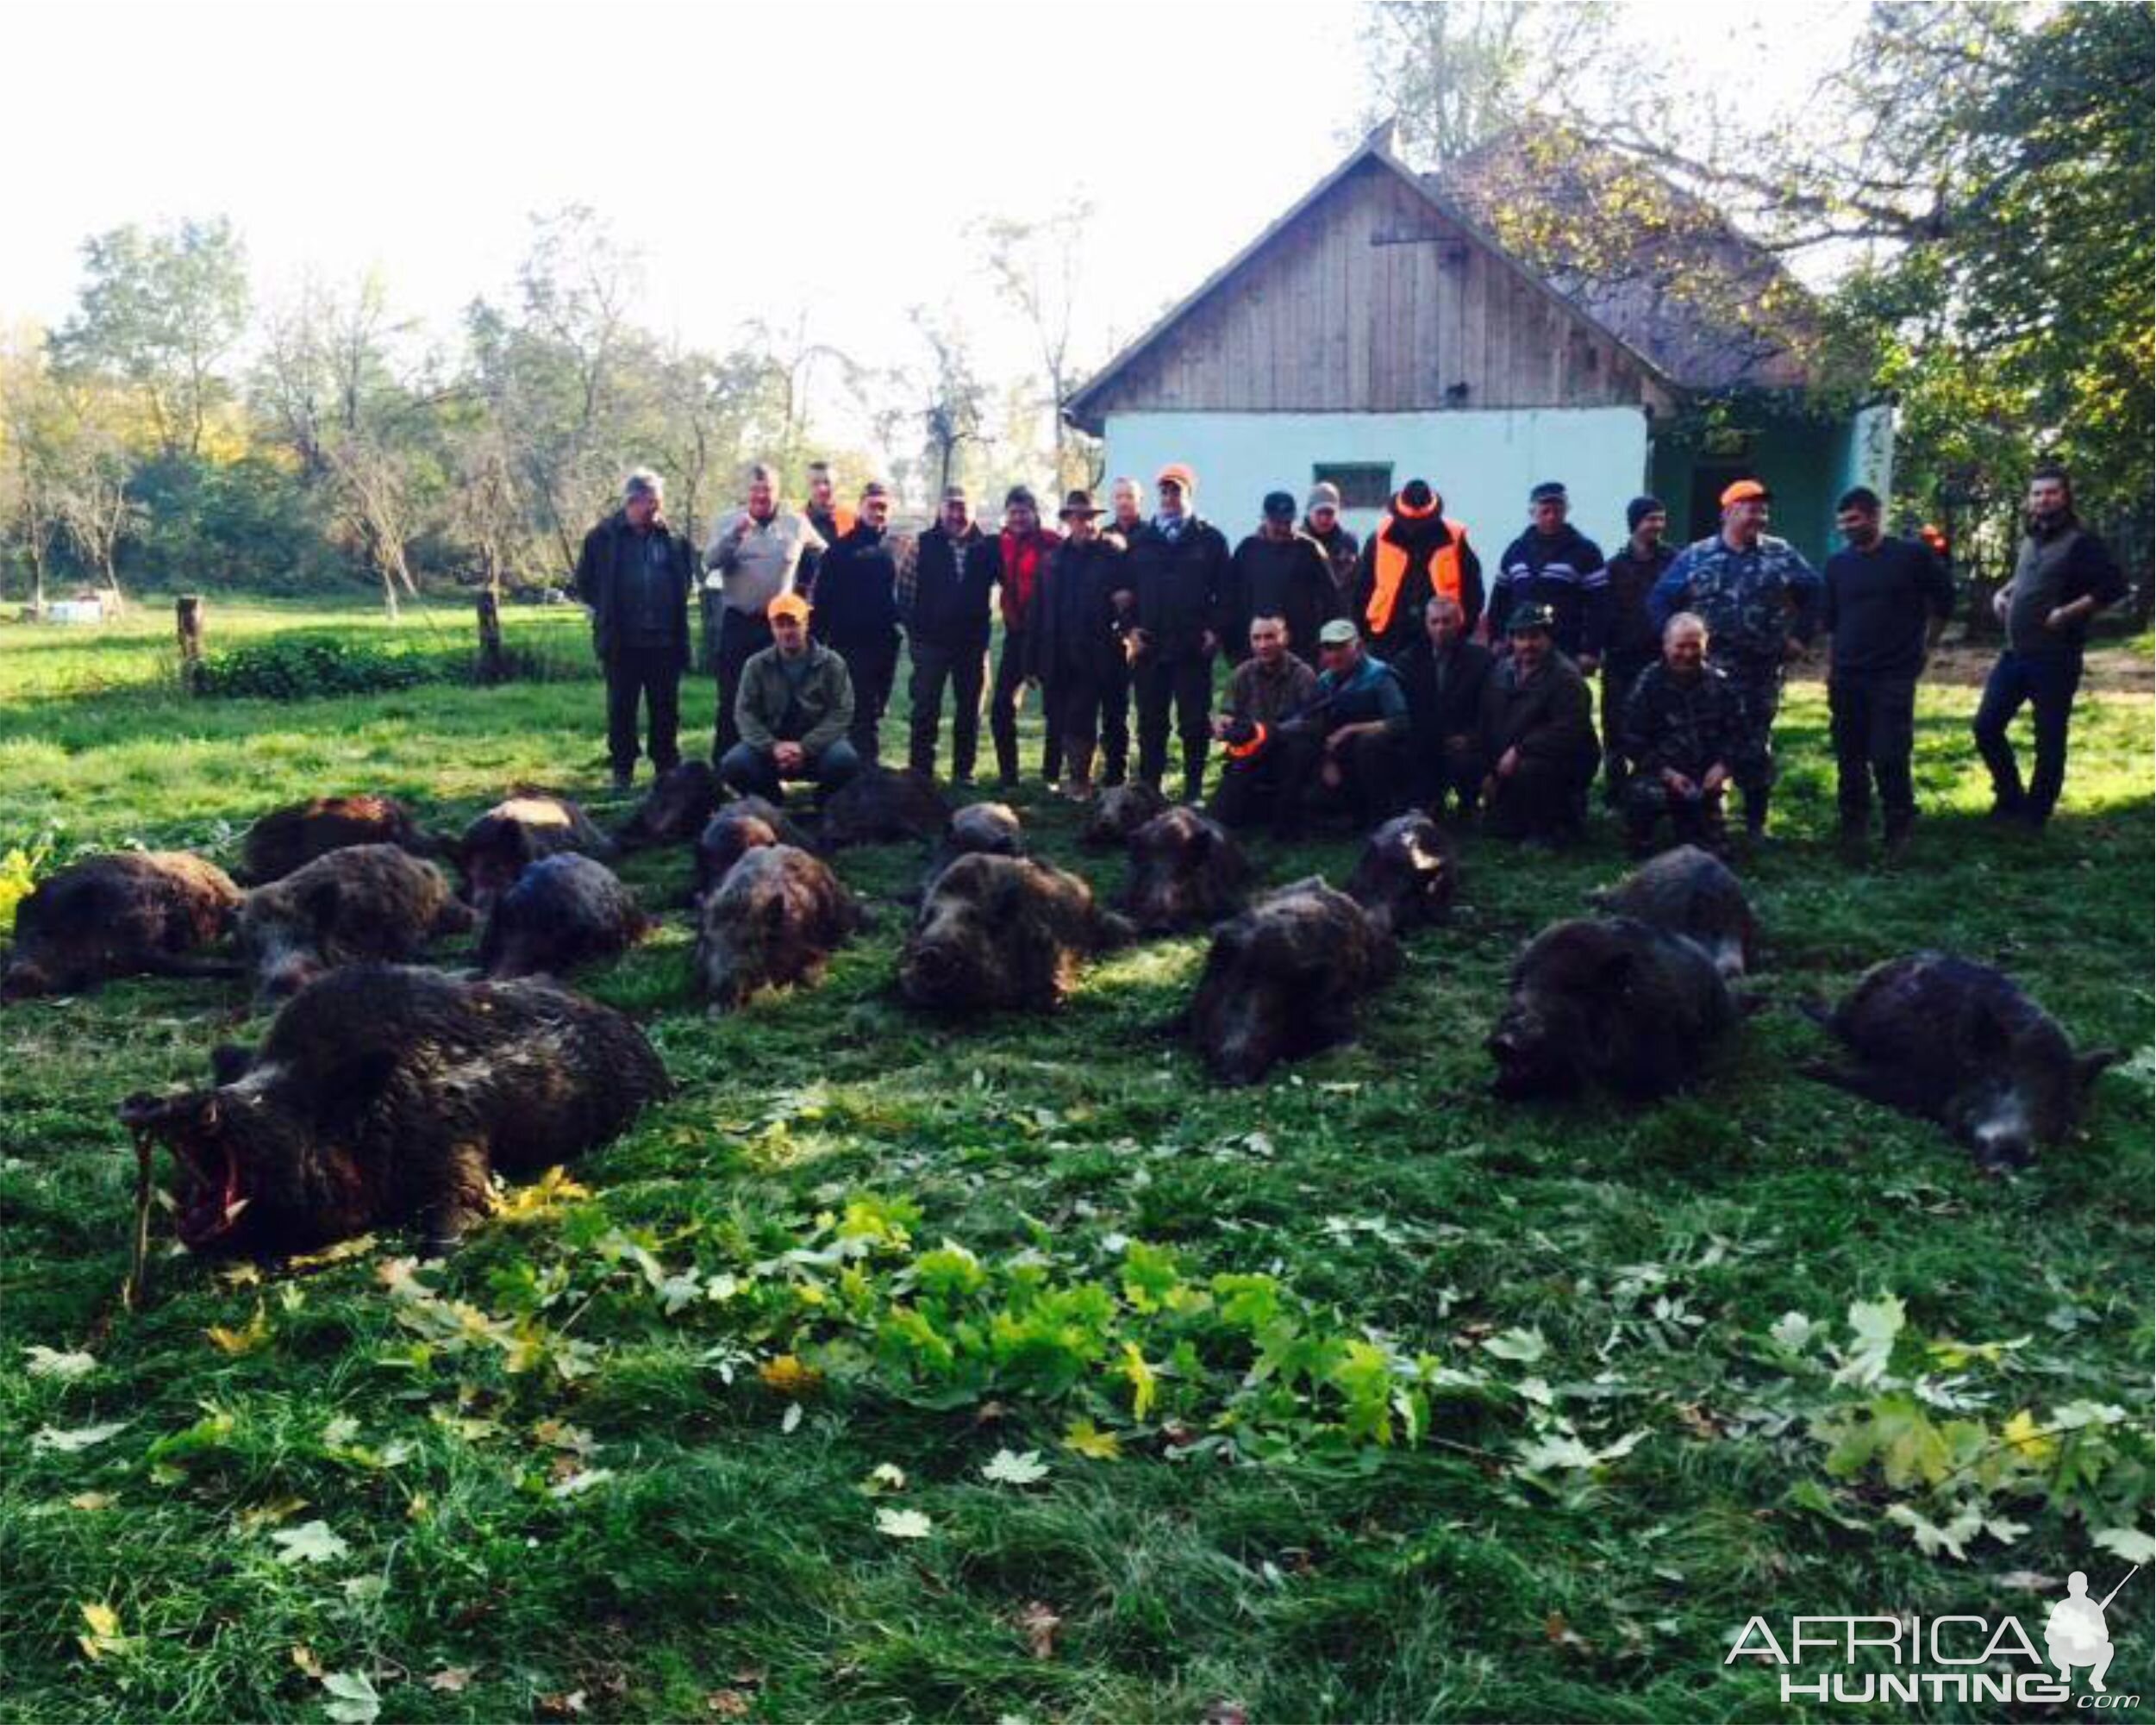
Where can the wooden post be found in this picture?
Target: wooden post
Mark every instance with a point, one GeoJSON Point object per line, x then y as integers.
{"type": "Point", "coordinates": [187, 617]}
{"type": "Point", "coordinates": [493, 664]}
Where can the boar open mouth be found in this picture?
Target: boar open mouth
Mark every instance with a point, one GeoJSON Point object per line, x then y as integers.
{"type": "Point", "coordinates": [213, 1195]}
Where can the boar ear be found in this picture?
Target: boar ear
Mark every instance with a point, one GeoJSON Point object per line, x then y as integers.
{"type": "Point", "coordinates": [2087, 1067]}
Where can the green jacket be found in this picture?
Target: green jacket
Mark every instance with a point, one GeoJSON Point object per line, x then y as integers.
{"type": "Point", "coordinates": [816, 716]}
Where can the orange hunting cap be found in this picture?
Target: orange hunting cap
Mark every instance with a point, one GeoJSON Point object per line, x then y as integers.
{"type": "Point", "coordinates": [1180, 474]}
{"type": "Point", "coordinates": [788, 605]}
{"type": "Point", "coordinates": [1745, 491]}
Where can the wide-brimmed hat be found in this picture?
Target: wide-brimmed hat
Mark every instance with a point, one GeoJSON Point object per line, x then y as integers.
{"type": "Point", "coordinates": [1079, 503]}
{"type": "Point", "coordinates": [1530, 620]}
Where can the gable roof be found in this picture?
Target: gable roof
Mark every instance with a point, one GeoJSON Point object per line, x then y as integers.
{"type": "Point", "coordinates": [1711, 309]}
{"type": "Point", "coordinates": [1376, 147]}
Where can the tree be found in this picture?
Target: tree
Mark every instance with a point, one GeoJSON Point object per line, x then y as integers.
{"type": "Point", "coordinates": [95, 511]}
{"type": "Point", "coordinates": [1039, 270]}
{"type": "Point", "coordinates": [32, 416]}
{"type": "Point", "coordinates": [1453, 74]}
{"type": "Point", "coordinates": [944, 399]}
{"type": "Point", "coordinates": [159, 312]}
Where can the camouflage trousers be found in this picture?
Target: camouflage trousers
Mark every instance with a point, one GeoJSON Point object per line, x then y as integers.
{"type": "Point", "coordinates": [1757, 684]}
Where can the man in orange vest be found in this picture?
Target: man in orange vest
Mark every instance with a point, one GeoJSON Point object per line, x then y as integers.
{"type": "Point", "coordinates": [1415, 555]}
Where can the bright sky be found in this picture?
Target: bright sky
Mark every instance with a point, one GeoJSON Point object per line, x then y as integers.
{"type": "Point", "coordinates": [764, 160]}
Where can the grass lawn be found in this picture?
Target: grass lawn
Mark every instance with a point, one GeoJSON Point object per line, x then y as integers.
{"type": "Point", "coordinates": [1351, 1396]}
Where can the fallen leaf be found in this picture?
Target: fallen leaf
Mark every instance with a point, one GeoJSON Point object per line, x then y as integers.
{"type": "Point", "coordinates": [333, 1255]}
{"type": "Point", "coordinates": [450, 1679]}
{"type": "Point", "coordinates": [310, 1542]}
{"type": "Point", "coordinates": [1009, 1468]}
{"type": "Point", "coordinates": [903, 1524]}
{"type": "Point", "coordinates": [787, 1376]}
{"type": "Point", "coordinates": [564, 1706]}
{"type": "Point", "coordinates": [51, 1440]}
{"type": "Point", "coordinates": [46, 1362]}
{"type": "Point", "coordinates": [304, 1657]}
{"type": "Point", "coordinates": [269, 1514]}
{"type": "Point", "coordinates": [357, 1701]}
{"type": "Point", "coordinates": [885, 1476]}
{"type": "Point", "coordinates": [92, 1500]}
{"type": "Point", "coordinates": [727, 1703]}
{"type": "Point", "coordinates": [105, 1636]}
{"type": "Point", "coordinates": [1039, 1623]}
{"type": "Point", "coordinates": [579, 1482]}
{"type": "Point", "coordinates": [1089, 1440]}
{"type": "Point", "coordinates": [245, 1341]}
{"type": "Point", "coordinates": [1559, 1633]}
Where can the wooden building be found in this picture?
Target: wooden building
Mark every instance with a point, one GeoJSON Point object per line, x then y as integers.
{"type": "Point", "coordinates": [1380, 331]}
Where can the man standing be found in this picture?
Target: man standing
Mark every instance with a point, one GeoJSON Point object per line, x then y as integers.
{"type": "Point", "coordinates": [832, 520]}
{"type": "Point", "coordinates": [1629, 644]}
{"type": "Point", "coordinates": [2062, 578]}
{"type": "Point", "coordinates": [1444, 676]}
{"type": "Point", "coordinates": [1759, 600]}
{"type": "Point", "coordinates": [1415, 555]}
{"type": "Point", "coordinates": [1127, 517]}
{"type": "Point", "coordinates": [1179, 570]}
{"type": "Point", "coordinates": [1678, 734]}
{"type": "Point", "coordinates": [1268, 767]}
{"type": "Point", "coordinates": [755, 555]}
{"type": "Point", "coordinates": [1360, 715]}
{"type": "Point", "coordinates": [1321, 520]}
{"type": "Point", "coordinates": [1278, 572]}
{"type": "Point", "coordinates": [1538, 734]}
{"type": "Point", "coordinates": [1079, 646]}
{"type": "Point", "coordinates": [943, 599]}
{"type": "Point", "coordinates": [794, 708]}
{"type": "Point", "coordinates": [635, 572]}
{"type": "Point", "coordinates": [857, 614]}
{"type": "Point", "coordinates": [1015, 562]}
{"type": "Point", "coordinates": [1556, 565]}
{"type": "Point", "coordinates": [1884, 605]}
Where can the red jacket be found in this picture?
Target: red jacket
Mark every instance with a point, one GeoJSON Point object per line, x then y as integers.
{"type": "Point", "coordinates": [1023, 562]}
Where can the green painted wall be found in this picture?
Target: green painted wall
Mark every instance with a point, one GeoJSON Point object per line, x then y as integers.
{"type": "Point", "coordinates": [1805, 462]}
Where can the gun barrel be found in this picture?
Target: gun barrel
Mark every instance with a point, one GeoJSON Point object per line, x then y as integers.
{"type": "Point", "coordinates": [2106, 1605]}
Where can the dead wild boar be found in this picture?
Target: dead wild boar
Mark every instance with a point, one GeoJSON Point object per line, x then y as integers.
{"type": "Point", "coordinates": [288, 838]}
{"type": "Point", "coordinates": [1002, 933]}
{"type": "Point", "coordinates": [1118, 812]}
{"type": "Point", "coordinates": [673, 811]}
{"type": "Point", "coordinates": [1282, 980]}
{"type": "Point", "coordinates": [519, 830]}
{"type": "Point", "coordinates": [562, 912]}
{"type": "Point", "coordinates": [1692, 892]}
{"type": "Point", "coordinates": [773, 923]}
{"type": "Point", "coordinates": [1407, 875]}
{"type": "Point", "coordinates": [740, 826]}
{"type": "Point", "coordinates": [988, 829]}
{"type": "Point", "coordinates": [1185, 872]}
{"type": "Point", "coordinates": [1958, 1042]}
{"type": "Point", "coordinates": [1611, 1001]}
{"type": "Point", "coordinates": [883, 806]}
{"type": "Point", "coordinates": [366, 902]}
{"type": "Point", "coordinates": [382, 1095]}
{"type": "Point", "coordinates": [126, 913]}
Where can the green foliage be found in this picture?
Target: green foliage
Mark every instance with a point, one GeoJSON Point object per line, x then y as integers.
{"type": "Point", "coordinates": [307, 668]}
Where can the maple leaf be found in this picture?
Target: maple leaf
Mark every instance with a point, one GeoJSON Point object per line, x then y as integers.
{"type": "Point", "coordinates": [450, 1679]}
{"type": "Point", "coordinates": [1524, 1346]}
{"type": "Point", "coordinates": [2128, 1545]}
{"type": "Point", "coordinates": [1008, 1468]}
{"type": "Point", "coordinates": [1875, 1324]}
{"type": "Point", "coordinates": [903, 1524]}
{"type": "Point", "coordinates": [51, 1440]}
{"type": "Point", "coordinates": [46, 1362]}
{"type": "Point", "coordinates": [1088, 1440]}
{"type": "Point", "coordinates": [310, 1542]}
{"type": "Point", "coordinates": [356, 1702]}
{"type": "Point", "coordinates": [243, 1340]}
{"type": "Point", "coordinates": [787, 1376]}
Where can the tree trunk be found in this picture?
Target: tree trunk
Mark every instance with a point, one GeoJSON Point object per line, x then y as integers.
{"type": "Point", "coordinates": [493, 664]}
{"type": "Point", "coordinates": [187, 618]}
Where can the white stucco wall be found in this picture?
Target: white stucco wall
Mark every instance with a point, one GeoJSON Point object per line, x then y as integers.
{"type": "Point", "coordinates": [1482, 463]}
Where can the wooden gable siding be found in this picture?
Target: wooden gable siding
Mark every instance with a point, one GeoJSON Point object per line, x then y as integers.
{"type": "Point", "coordinates": [1372, 302]}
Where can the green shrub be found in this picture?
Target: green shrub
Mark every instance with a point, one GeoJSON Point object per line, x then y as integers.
{"type": "Point", "coordinates": [300, 667]}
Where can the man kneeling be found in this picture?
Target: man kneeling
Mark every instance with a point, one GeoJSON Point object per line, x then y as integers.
{"type": "Point", "coordinates": [1265, 729]}
{"type": "Point", "coordinates": [1680, 730]}
{"type": "Point", "coordinates": [1538, 734]}
{"type": "Point", "coordinates": [794, 704]}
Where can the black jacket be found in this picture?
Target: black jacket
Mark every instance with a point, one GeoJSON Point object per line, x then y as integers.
{"type": "Point", "coordinates": [1286, 578]}
{"type": "Point", "coordinates": [1563, 571]}
{"type": "Point", "coordinates": [1548, 718]}
{"type": "Point", "coordinates": [1341, 548]}
{"type": "Point", "coordinates": [1689, 725]}
{"type": "Point", "coordinates": [1629, 633]}
{"type": "Point", "coordinates": [1181, 585]}
{"type": "Point", "coordinates": [595, 583]}
{"type": "Point", "coordinates": [1422, 538]}
{"type": "Point", "coordinates": [951, 586]}
{"type": "Point", "coordinates": [857, 588]}
{"type": "Point", "coordinates": [1075, 628]}
{"type": "Point", "coordinates": [1444, 696]}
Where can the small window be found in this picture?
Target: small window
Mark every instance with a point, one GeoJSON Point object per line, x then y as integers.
{"type": "Point", "coordinates": [1363, 484]}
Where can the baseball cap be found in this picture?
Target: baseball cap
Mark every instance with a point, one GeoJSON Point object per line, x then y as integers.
{"type": "Point", "coordinates": [788, 605]}
{"type": "Point", "coordinates": [1337, 632]}
{"type": "Point", "coordinates": [1527, 619]}
{"type": "Point", "coordinates": [1745, 491]}
{"type": "Point", "coordinates": [1279, 506]}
